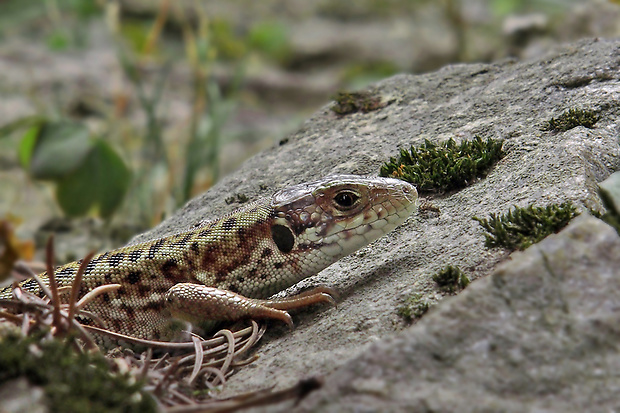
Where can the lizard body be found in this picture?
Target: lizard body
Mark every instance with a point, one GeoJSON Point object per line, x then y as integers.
{"type": "Point", "coordinates": [218, 269]}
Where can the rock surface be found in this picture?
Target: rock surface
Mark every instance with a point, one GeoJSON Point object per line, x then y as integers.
{"type": "Point", "coordinates": [538, 330]}
{"type": "Point", "coordinates": [540, 334]}
{"type": "Point", "coordinates": [610, 192]}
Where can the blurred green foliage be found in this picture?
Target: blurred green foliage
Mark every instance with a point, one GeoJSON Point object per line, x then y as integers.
{"type": "Point", "coordinates": [503, 8]}
{"type": "Point", "coordinates": [135, 34]}
{"type": "Point", "coordinates": [88, 173]}
{"type": "Point", "coordinates": [271, 38]}
{"type": "Point", "coordinates": [230, 45]}
{"type": "Point", "coordinates": [158, 181]}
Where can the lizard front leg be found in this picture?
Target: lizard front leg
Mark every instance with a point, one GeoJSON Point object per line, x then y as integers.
{"type": "Point", "coordinates": [198, 303]}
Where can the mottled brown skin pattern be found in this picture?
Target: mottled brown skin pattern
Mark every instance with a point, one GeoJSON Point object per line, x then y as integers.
{"type": "Point", "coordinates": [256, 251]}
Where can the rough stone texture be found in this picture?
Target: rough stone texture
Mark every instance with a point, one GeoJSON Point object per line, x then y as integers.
{"type": "Point", "coordinates": [541, 333]}
{"type": "Point", "coordinates": [510, 101]}
{"type": "Point", "coordinates": [610, 192]}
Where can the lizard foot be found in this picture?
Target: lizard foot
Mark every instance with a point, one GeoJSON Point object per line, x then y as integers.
{"type": "Point", "coordinates": [198, 303]}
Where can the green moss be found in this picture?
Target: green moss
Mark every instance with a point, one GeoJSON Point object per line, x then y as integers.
{"type": "Point", "coordinates": [451, 278]}
{"type": "Point", "coordinates": [571, 119]}
{"type": "Point", "coordinates": [352, 102]}
{"type": "Point", "coordinates": [522, 227]}
{"type": "Point", "coordinates": [238, 198]}
{"type": "Point", "coordinates": [72, 381]}
{"type": "Point", "coordinates": [415, 306]}
{"type": "Point", "coordinates": [135, 33]}
{"type": "Point", "coordinates": [445, 166]}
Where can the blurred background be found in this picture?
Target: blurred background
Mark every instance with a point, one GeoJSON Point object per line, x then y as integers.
{"type": "Point", "coordinates": [115, 113]}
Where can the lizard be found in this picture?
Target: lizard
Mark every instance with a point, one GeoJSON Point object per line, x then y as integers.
{"type": "Point", "coordinates": [224, 269]}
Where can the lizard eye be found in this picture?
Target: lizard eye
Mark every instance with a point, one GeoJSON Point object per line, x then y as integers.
{"type": "Point", "coordinates": [346, 199]}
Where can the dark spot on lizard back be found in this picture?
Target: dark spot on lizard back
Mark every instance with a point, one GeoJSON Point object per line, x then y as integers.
{"type": "Point", "coordinates": [84, 320]}
{"type": "Point", "coordinates": [188, 259]}
{"type": "Point", "coordinates": [30, 284]}
{"type": "Point", "coordinates": [135, 255]}
{"type": "Point", "coordinates": [266, 253]}
{"type": "Point", "coordinates": [194, 247]}
{"type": "Point", "coordinates": [128, 309]}
{"type": "Point", "coordinates": [221, 276]}
{"type": "Point", "coordinates": [205, 233]}
{"type": "Point", "coordinates": [278, 265]}
{"type": "Point", "coordinates": [116, 259]}
{"type": "Point", "coordinates": [241, 231]}
{"type": "Point", "coordinates": [105, 297]}
{"type": "Point", "coordinates": [144, 289]}
{"type": "Point", "coordinates": [184, 240]}
{"type": "Point", "coordinates": [91, 266]}
{"type": "Point", "coordinates": [229, 224]}
{"type": "Point", "coordinates": [170, 269]}
{"type": "Point", "coordinates": [209, 255]}
{"type": "Point", "coordinates": [134, 277]}
{"type": "Point", "coordinates": [152, 305]}
{"type": "Point", "coordinates": [154, 248]}
{"type": "Point", "coordinates": [64, 273]}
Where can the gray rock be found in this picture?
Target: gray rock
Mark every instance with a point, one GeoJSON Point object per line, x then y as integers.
{"type": "Point", "coordinates": [20, 396]}
{"type": "Point", "coordinates": [529, 319]}
{"type": "Point", "coordinates": [610, 192]}
{"type": "Point", "coordinates": [540, 334]}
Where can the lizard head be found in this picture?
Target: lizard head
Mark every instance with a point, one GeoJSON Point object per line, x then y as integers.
{"type": "Point", "coordinates": [336, 215]}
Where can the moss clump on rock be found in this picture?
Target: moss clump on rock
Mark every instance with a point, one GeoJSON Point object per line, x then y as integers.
{"type": "Point", "coordinates": [522, 227]}
{"type": "Point", "coordinates": [450, 279]}
{"type": "Point", "coordinates": [444, 166]}
{"type": "Point", "coordinates": [352, 102]}
{"type": "Point", "coordinates": [571, 119]}
{"type": "Point", "coordinates": [415, 306]}
{"type": "Point", "coordinates": [72, 381]}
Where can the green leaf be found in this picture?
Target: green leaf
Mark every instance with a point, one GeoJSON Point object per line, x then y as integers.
{"type": "Point", "coordinates": [99, 184]}
{"type": "Point", "coordinates": [53, 150]}
{"type": "Point", "coordinates": [8, 129]}
{"type": "Point", "coordinates": [27, 144]}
